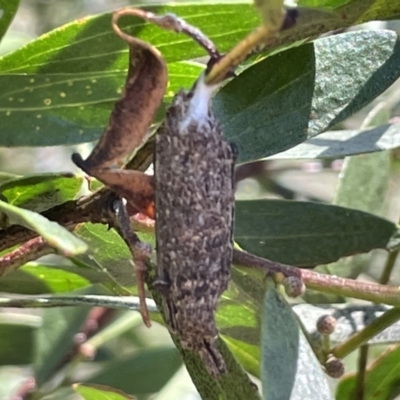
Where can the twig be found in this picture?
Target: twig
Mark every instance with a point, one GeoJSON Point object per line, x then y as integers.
{"type": "Point", "coordinates": [26, 387]}
{"type": "Point", "coordinates": [140, 251]}
{"type": "Point", "coordinates": [362, 366]}
{"type": "Point", "coordinates": [31, 250]}
{"type": "Point", "coordinates": [373, 292]}
{"type": "Point", "coordinates": [33, 301]}
{"type": "Point", "coordinates": [371, 330]}
{"type": "Point", "coordinates": [388, 268]}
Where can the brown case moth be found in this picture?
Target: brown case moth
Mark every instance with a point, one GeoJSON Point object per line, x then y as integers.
{"type": "Point", "coordinates": [194, 189]}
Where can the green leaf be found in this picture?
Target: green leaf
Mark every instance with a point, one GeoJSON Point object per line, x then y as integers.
{"type": "Point", "coordinates": [306, 233]}
{"type": "Point", "coordinates": [344, 13]}
{"type": "Point", "coordinates": [55, 234]}
{"type": "Point", "coordinates": [89, 44]}
{"type": "Point", "coordinates": [40, 192]}
{"type": "Point", "coordinates": [381, 379]}
{"type": "Point", "coordinates": [100, 392]}
{"type": "Point", "coordinates": [152, 369]}
{"type": "Point", "coordinates": [56, 109]}
{"type": "Point", "coordinates": [289, 368]}
{"type": "Point", "coordinates": [34, 278]}
{"type": "Point", "coordinates": [237, 319]}
{"type": "Point", "coordinates": [247, 354]}
{"type": "Point", "coordinates": [337, 144]}
{"type": "Point", "coordinates": [17, 338]}
{"type": "Point", "coordinates": [108, 250]}
{"type": "Point", "coordinates": [8, 8]}
{"type": "Point", "coordinates": [55, 338]}
{"type": "Point", "coordinates": [323, 3]}
{"type": "Point", "coordinates": [300, 93]}
{"type": "Point", "coordinates": [363, 185]}
{"type": "Point", "coordinates": [82, 67]}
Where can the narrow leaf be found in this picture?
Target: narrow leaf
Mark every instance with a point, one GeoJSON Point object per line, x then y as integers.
{"type": "Point", "coordinates": [300, 93]}
{"type": "Point", "coordinates": [306, 233]}
{"type": "Point", "coordinates": [151, 369]}
{"type": "Point", "coordinates": [89, 44]}
{"type": "Point", "coordinates": [40, 192]}
{"type": "Point", "coordinates": [8, 8]}
{"type": "Point", "coordinates": [55, 109]}
{"type": "Point", "coordinates": [55, 338]}
{"type": "Point", "coordinates": [100, 392]}
{"type": "Point", "coordinates": [55, 234]}
{"type": "Point", "coordinates": [381, 379]}
{"type": "Point", "coordinates": [17, 338]}
{"type": "Point", "coordinates": [289, 368]}
{"type": "Point", "coordinates": [337, 144]}
{"type": "Point", "coordinates": [363, 185]}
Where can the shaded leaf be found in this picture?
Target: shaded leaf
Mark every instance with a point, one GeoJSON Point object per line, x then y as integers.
{"type": "Point", "coordinates": [382, 379]}
{"type": "Point", "coordinates": [363, 185]}
{"type": "Point", "coordinates": [151, 369]}
{"type": "Point", "coordinates": [100, 392]}
{"type": "Point", "coordinates": [17, 338]}
{"type": "Point", "coordinates": [40, 192]}
{"type": "Point", "coordinates": [55, 234]}
{"type": "Point", "coordinates": [289, 368]}
{"type": "Point", "coordinates": [55, 338]}
{"type": "Point", "coordinates": [8, 8]}
{"type": "Point", "coordinates": [319, 84]}
{"type": "Point", "coordinates": [337, 144]}
{"type": "Point", "coordinates": [306, 233]}
{"type": "Point", "coordinates": [108, 250]}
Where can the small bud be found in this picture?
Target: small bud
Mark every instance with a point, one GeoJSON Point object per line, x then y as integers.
{"type": "Point", "coordinates": [294, 286]}
{"type": "Point", "coordinates": [326, 324]}
{"type": "Point", "coordinates": [334, 367]}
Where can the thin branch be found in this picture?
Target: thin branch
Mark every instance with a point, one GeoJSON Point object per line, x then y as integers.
{"type": "Point", "coordinates": [362, 366]}
{"type": "Point", "coordinates": [31, 250]}
{"type": "Point", "coordinates": [373, 292]}
{"type": "Point", "coordinates": [388, 268]}
{"type": "Point", "coordinates": [357, 339]}
{"type": "Point", "coordinates": [33, 301]}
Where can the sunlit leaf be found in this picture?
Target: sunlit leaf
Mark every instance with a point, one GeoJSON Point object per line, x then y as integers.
{"type": "Point", "coordinates": [40, 192]}
{"type": "Point", "coordinates": [100, 392]}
